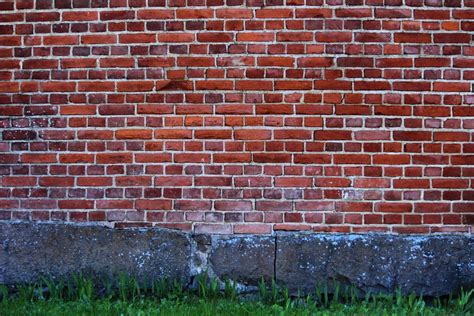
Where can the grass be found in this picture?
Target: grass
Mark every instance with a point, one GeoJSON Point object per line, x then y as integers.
{"type": "Point", "coordinates": [126, 296]}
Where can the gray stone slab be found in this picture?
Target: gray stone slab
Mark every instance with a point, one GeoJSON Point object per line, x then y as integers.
{"type": "Point", "coordinates": [29, 251]}
{"type": "Point", "coordinates": [422, 264]}
{"type": "Point", "coordinates": [245, 259]}
{"type": "Point", "coordinates": [430, 265]}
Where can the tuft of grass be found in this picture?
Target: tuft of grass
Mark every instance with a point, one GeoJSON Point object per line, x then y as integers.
{"type": "Point", "coordinates": [82, 295]}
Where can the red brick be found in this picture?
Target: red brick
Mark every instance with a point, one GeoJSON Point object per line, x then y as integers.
{"type": "Point", "coordinates": [155, 14]}
{"type": "Point", "coordinates": [96, 86]}
{"type": "Point", "coordinates": [315, 62]}
{"type": "Point", "coordinates": [137, 38]}
{"type": "Point", "coordinates": [456, 38]}
{"type": "Point", "coordinates": [114, 158]}
{"type": "Point", "coordinates": [386, 207]}
{"type": "Point", "coordinates": [276, 61]}
{"type": "Point", "coordinates": [80, 16]}
{"type": "Point", "coordinates": [40, 64]}
{"type": "Point", "coordinates": [117, 15]}
{"type": "Point", "coordinates": [99, 39]}
{"type": "Point", "coordinates": [56, 181]}
{"type": "Point", "coordinates": [238, 119]}
{"type": "Point", "coordinates": [330, 37]}
{"type": "Point", "coordinates": [135, 86]}
{"type": "Point", "coordinates": [394, 62]}
{"type": "Point", "coordinates": [412, 38]}
{"type": "Point", "coordinates": [252, 134]}
{"type": "Point", "coordinates": [255, 37]}
{"type": "Point", "coordinates": [134, 134]}
{"type": "Point", "coordinates": [214, 37]}
{"type": "Point", "coordinates": [175, 38]}
{"type": "Point", "coordinates": [252, 229]}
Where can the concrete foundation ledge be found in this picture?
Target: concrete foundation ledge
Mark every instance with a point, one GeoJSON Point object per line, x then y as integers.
{"type": "Point", "coordinates": [424, 264]}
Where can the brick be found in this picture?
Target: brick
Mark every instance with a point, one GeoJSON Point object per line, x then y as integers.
{"type": "Point", "coordinates": [10, 40]}
{"type": "Point", "coordinates": [412, 135]}
{"type": "Point", "coordinates": [242, 206]}
{"type": "Point", "coordinates": [134, 134]}
{"type": "Point", "coordinates": [78, 63]}
{"type": "Point", "coordinates": [271, 158]}
{"type": "Point", "coordinates": [333, 135]}
{"type": "Point", "coordinates": [173, 134]}
{"type": "Point", "coordinates": [372, 85]}
{"type": "Point", "coordinates": [117, 15]}
{"type": "Point", "coordinates": [56, 181]}
{"type": "Point", "coordinates": [196, 61]}
{"type": "Point", "coordinates": [315, 62]}
{"type": "Point", "coordinates": [252, 134]}
{"type": "Point", "coordinates": [393, 13]}
{"type": "Point", "coordinates": [238, 118]}
{"type": "Point", "coordinates": [155, 14]}
{"type": "Point", "coordinates": [353, 13]}
{"type": "Point", "coordinates": [294, 36]}
{"type": "Point", "coordinates": [19, 135]}
{"type": "Point", "coordinates": [76, 158]}
{"type": "Point", "coordinates": [276, 61]}
{"type": "Point", "coordinates": [232, 158]}
{"type": "Point", "coordinates": [275, 13]}
{"type": "Point", "coordinates": [452, 86]}
{"type": "Point", "coordinates": [9, 87]}
{"type": "Point", "coordinates": [355, 62]}
{"type": "Point", "coordinates": [293, 182]}
{"type": "Point", "coordinates": [255, 37]}
{"type": "Point", "coordinates": [116, 62]}
{"type": "Point", "coordinates": [214, 37]}
{"type": "Point", "coordinates": [60, 40]}
{"type": "Point", "coordinates": [156, 62]}
{"type": "Point", "coordinates": [40, 64]}
{"type": "Point", "coordinates": [451, 38]}
{"type": "Point", "coordinates": [213, 134]}
{"type": "Point", "coordinates": [99, 39]}
{"type": "Point", "coordinates": [331, 37]}
{"type": "Point", "coordinates": [252, 229]}
{"type": "Point", "coordinates": [372, 37]}
{"type": "Point", "coordinates": [76, 204]}
{"type": "Point", "coordinates": [394, 62]}
{"type": "Point", "coordinates": [58, 86]}
{"type": "Point", "coordinates": [80, 16]}
{"type": "Point", "coordinates": [386, 207]}
{"type": "Point", "coordinates": [135, 86]}
{"type": "Point", "coordinates": [175, 38]}
{"type": "Point", "coordinates": [194, 13]}
{"type": "Point", "coordinates": [411, 183]}
{"type": "Point", "coordinates": [412, 38]}
{"type": "Point", "coordinates": [38, 158]}
{"type": "Point", "coordinates": [116, 109]}
{"type": "Point", "coordinates": [137, 38]}
{"type": "Point", "coordinates": [213, 229]}
{"type": "Point", "coordinates": [42, 16]}
{"type": "Point", "coordinates": [114, 158]}
{"type": "Point", "coordinates": [19, 181]}
{"type": "Point", "coordinates": [96, 86]}
{"type": "Point", "coordinates": [351, 159]}
{"type": "Point", "coordinates": [234, 13]}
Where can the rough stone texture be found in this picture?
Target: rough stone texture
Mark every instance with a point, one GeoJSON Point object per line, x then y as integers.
{"type": "Point", "coordinates": [243, 259]}
{"type": "Point", "coordinates": [431, 265]}
{"type": "Point", "coordinates": [31, 250]}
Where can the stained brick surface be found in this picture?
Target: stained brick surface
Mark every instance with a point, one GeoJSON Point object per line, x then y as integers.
{"type": "Point", "coordinates": [239, 116]}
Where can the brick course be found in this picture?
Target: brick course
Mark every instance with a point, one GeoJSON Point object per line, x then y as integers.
{"type": "Point", "coordinates": [239, 116]}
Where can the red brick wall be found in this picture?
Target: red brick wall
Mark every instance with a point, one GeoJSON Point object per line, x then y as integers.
{"type": "Point", "coordinates": [239, 117]}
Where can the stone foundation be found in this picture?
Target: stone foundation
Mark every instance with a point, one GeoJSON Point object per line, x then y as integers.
{"type": "Point", "coordinates": [424, 264]}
